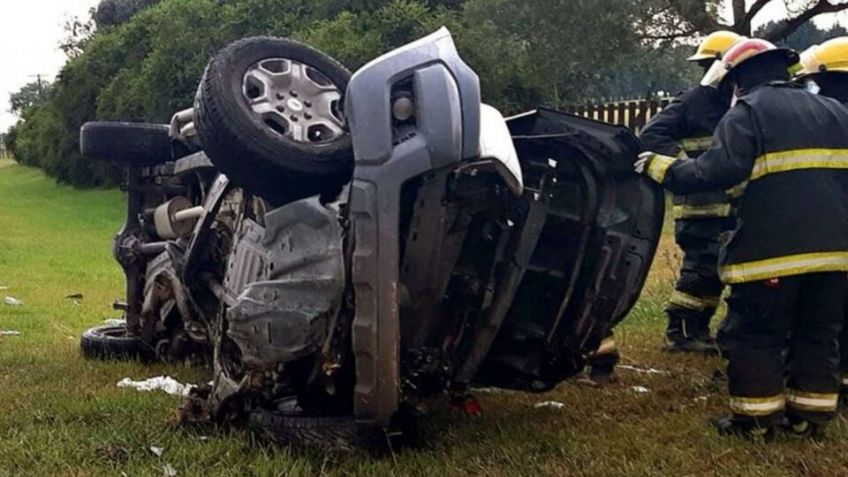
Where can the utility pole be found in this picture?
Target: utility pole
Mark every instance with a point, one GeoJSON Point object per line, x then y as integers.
{"type": "Point", "coordinates": [40, 84]}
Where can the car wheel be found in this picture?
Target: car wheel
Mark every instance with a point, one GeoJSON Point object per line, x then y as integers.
{"type": "Point", "coordinates": [112, 342]}
{"type": "Point", "coordinates": [130, 143]}
{"type": "Point", "coordinates": [268, 114]}
{"type": "Point", "coordinates": [329, 433]}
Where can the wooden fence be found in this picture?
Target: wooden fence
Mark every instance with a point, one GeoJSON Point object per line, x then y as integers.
{"type": "Point", "coordinates": [631, 113]}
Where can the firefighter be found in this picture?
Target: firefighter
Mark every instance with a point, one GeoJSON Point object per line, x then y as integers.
{"type": "Point", "coordinates": [825, 72]}
{"type": "Point", "coordinates": [685, 128]}
{"type": "Point", "coordinates": [784, 154]}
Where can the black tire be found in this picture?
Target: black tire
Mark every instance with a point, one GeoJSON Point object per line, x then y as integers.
{"type": "Point", "coordinates": [249, 152]}
{"type": "Point", "coordinates": [327, 433]}
{"type": "Point", "coordinates": [128, 143]}
{"type": "Point", "coordinates": [112, 342]}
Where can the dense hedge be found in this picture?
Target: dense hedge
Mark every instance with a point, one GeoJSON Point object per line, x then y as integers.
{"type": "Point", "coordinates": [147, 67]}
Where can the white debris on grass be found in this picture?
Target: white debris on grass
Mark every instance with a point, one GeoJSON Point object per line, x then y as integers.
{"type": "Point", "coordinates": [4, 288]}
{"type": "Point", "coordinates": [549, 405]}
{"type": "Point", "coordinates": [641, 370]}
{"type": "Point", "coordinates": [10, 333]}
{"type": "Point", "coordinates": [162, 383]}
{"type": "Point", "coordinates": [640, 389]}
{"type": "Point", "coordinates": [487, 390]}
{"type": "Point", "coordinates": [12, 301]}
{"type": "Point", "coordinates": [169, 471]}
{"type": "Point", "coordinates": [157, 451]}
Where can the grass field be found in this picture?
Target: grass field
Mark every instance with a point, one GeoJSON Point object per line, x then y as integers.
{"type": "Point", "coordinates": [62, 415]}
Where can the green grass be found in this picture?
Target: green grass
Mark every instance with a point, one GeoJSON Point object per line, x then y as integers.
{"type": "Point", "coordinates": [62, 415]}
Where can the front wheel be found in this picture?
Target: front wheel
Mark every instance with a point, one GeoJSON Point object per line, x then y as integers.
{"type": "Point", "coordinates": [268, 114]}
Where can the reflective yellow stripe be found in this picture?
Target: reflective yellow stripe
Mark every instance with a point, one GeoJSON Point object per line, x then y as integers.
{"type": "Point", "coordinates": [814, 402]}
{"type": "Point", "coordinates": [737, 191]}
{"type": "Point", "coordinates": [607, 346]}
{"type": "Point", "coordinates": [658, 166]}
{"type": "Point", "coordinates": [712, 302]}
{"type": "Point", "coordinates": [757, 406]}
{"type": "Point", "coordinates": [696, 143]}
{"type": "Point", "coordinates": [784, 266]}
{"type": "Point", "coordinates": [700, 211]}
{"type": "Point", "coordinates": [692, 302]}
{"type": "Point", "coordinates": [796, 159]}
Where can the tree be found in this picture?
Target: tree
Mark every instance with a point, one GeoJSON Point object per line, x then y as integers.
{"type": "Point", "coordinates": [77, 34]}
{"type": "Point", "coordinates": [801, 12]}
{"type": "Point", "coordinates": [673, 20]}
{"type": "Point", "coordinates": [115, 12]}
{"type": "Point", "coordinates": [30, 95]}
{"type": "Point", "coordinates": [806, 35]}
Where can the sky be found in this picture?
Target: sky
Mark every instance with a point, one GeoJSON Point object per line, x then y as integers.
{"type": "Point", "coordinates": [30, 33]}
{"type": "Point", "coordinates": [31, 30]}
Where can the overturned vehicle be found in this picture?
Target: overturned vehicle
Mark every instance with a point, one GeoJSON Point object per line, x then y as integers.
{"type": "Point", "coordinates": [341, 247]}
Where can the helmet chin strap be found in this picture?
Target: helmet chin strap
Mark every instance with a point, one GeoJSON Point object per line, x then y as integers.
{"type": "Point", "coordinates": [737, 93]}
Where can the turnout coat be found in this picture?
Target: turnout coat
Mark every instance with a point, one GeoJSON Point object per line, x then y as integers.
{"type": "Point", "coordinates": [685, 128]}
{"type": "Point", "coordinates": [782, 153]}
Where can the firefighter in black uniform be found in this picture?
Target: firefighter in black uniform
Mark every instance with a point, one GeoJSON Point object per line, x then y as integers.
{"type": "Point", "coordinates": [825, 72]}
{"type": "Point", "coordinates": [685, 128]}
{"type": "Point", "coordinates": [784, 154]}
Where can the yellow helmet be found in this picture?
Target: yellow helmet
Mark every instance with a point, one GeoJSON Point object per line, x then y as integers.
{"type": "Point", "coordinates": [714, 45]}
{"type": "Point", "coordinates": [830, 56]}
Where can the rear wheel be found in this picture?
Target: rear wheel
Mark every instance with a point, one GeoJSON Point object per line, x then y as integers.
{"type": "Point", "coordinates": [268, 113]}
{"type": "Point", "coordinates": [112, 342]}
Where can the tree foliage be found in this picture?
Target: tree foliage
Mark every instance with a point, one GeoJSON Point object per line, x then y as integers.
{"type": "Point", "coordinates": [115, 12]}
{"type": "Point", "coordinates": [30, 95]}
{"type": "Point", "coordinates": [143, 60]}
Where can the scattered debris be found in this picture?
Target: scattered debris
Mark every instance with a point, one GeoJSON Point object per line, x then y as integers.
{"type": "Point", "coordinates": [12, 301]}
{"type": "Point", "coordinates": [640, 389]}
{"type": "Point", "coordinates": [113, 453]}
{"type": "Point", "coordinates": [701, 399]}
{"type": "Point", "coordinates": [10, 333]}
{"type": "Point", "coordinates": [488, 390]}
{"type": "Point", "coordinates": [163, 383]}
{"type": "Point", "coordinates": [169, 471]}
{"type": "Point", "coordinates": [4, 288]}
{"type": "Point", "coordinates": [585, 381]}
{"type": "Point", "coordinates": [642, 370]}
{"type": "Point", "coordinates": [549, 405]}
{"type": "Point", "coordinates": [157, 451]}
{"type": "Point", "coordinates": [467, 404]}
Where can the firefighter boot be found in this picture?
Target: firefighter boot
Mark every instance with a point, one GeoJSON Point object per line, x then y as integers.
{"type": "Point", "coordinates": [680, 340]}
{"type": "Point", "coordinates": [800, 428]}
{"type": "Point", "coordinates": [603, 361]}
{"type": "Point", "coordinates": [729, 426]}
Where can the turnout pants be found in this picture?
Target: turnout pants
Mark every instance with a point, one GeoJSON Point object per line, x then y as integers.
{"type": "Point", "coordinates": [698, 290]}
{"type": "Point", "coordinates": [801, 314]}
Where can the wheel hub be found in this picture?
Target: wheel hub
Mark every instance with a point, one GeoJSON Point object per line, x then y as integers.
{"type": "Point", "coordinates": [294, 100]}
{"type": "Point", "coordinates": [294, 105]}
